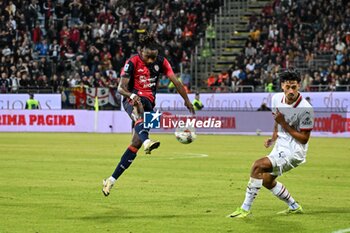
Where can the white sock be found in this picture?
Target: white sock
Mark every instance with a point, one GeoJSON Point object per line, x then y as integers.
{"type": "Point", "coordinates": [112, 179]}
{"type": "Point", "coordinates": [146, 141]}
{"type": "Point", "coordinates": [282, 193]}
{"type": "Point", "coordinates": [252, 190]}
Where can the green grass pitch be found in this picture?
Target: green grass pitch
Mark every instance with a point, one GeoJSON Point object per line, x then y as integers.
{"type": "Point", "coordinates": [51, 182]}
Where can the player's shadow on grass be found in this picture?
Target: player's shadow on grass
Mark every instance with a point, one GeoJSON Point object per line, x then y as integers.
{"type": "Point", "coordinates": [154, 216]}
{"type": "Point", "coordinates": [121, 214]}
{"type": "Point", "coordinates": [288, 222]}
{"type": "Point", "coordinates": [327, 210]}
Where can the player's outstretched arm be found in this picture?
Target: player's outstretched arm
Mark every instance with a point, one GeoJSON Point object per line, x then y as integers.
{"type": "Point", "coordinates": [181, 90]}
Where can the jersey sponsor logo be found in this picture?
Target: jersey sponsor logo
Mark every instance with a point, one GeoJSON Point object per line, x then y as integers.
{"type": "Point", "coordinates": [150, 82]}
{"type": "Point", "coordinates": [307, 121]}
{"type": "Point", "coordinates": [143, 79]}
{"type": "Point", "coordinates": [149, 85]}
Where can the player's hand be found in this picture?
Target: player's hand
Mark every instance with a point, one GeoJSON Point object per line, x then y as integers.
{"type": "Point", "coordinates": [268, 142]}
{"type": "Point", "coordinates": [189, 106]}
{"type": "Point", "coordinates": [279, 117]}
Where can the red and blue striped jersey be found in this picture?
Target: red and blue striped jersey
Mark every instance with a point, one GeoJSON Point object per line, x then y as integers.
{"type": "Point", "coordinates": [144, 78]}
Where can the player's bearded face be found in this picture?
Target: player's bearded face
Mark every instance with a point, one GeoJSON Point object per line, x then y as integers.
{"type": "Point", "coordinates": [149, 56]}
{"type": "Point", "coordinates": [291, 90]}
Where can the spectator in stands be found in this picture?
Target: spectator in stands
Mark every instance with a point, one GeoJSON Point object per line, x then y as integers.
{"type": "Point", "coordinates": [4, 83]}
{"type": "Point", "coordinates": [24, 81]}
{"type": "Point", "coordinates": [54, 83]}
{"type": "Point", "coordinates": [223, 78]}
{"type": "Point", "coordinates": [339, 58]}
{"type": "Point", "coordinates": [263, 107]}
{"type": "Point", "coordinates": [210, 35]}
{"type": "Point", "coordinates": [36, 34]}
{"type": "Point", "coordinates": [212, 81]}
{"type": "Point", "coordinates": [186, 78]}
{"type": "Point", "coordinates": [284, 45]}
{"type": "Point", "coordinates": [251, 65]}
{"type": "Point", "coordinates": [306, 82]}
{"type": "Point", "coordinates": [171, 86]}
{"type": "Point", "coordinates": [340, 46]}
{"type": "Point", "coordinates": [14, 81]}
{"type": "Point", "coordinates": [308, 99]}
{"type": "Point", "coordinates": [250, 51]}
{"type": "Point", "coordinates": [64, 29]}
{"type": "Point", "coordinates": [255, 34]}
{"type": "Point", "coordinates": [163, 85]}
{"type": "Point", "coordinates": [75, 12]}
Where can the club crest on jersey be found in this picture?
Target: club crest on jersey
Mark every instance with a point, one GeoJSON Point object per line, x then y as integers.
{"type": "Point", "coordinates": [156, 67]}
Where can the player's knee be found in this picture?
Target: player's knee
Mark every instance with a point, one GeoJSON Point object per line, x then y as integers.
{"type": "Point", "coordinates": [268, 184]}
{"type": "Point", "coordinates": [136, 143]}
{"type": "Point", "coordinates": [257, 167]}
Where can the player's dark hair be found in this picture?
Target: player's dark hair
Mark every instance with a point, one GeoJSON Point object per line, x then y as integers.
{"type": "Point", "coordinates": [289, 74]}
{"type": "Point", "coordinates": [148, 41]}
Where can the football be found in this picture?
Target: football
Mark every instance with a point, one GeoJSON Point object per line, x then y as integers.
{"type": "Point", "coordinates": [185, 135]}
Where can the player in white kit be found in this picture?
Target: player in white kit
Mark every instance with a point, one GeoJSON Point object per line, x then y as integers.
{"type": "Point", "coordinates": [294, 119]}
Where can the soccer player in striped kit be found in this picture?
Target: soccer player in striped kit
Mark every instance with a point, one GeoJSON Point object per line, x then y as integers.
{"type": "Point", "coordinates": [294, 119]}
{"type": "Point", "coordinates": [138, 85]}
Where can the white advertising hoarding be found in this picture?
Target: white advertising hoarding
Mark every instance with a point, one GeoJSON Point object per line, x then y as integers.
{"type": "Point", "coordinates": [18, 101]}
{"type": "Point", "coordinates": [251, 101]}
{"type": "Point", "coordinates": [234, 122]}
{"type": "Point", "coordinates": [64, 121]}
{"type": "Point", "coordinates": [219, 101]}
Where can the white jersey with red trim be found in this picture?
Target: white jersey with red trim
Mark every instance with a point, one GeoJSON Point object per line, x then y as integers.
{"type": "Point", "coordinates": [299, 115]}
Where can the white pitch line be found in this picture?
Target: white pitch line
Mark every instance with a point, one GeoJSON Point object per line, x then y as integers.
{"type": "Point", "coordinates": [188, 156]}
{"type": "Point", "coordinates": [342, 231]}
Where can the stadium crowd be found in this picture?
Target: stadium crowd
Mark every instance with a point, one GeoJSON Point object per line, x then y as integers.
{"type": "Point", "coordinates": [57, 44]}
{"type": "Point", "coordinates": [311, 35]}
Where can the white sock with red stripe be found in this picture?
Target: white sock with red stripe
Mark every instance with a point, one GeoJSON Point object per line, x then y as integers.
{"type": "Point", "coordinates": [112, 179]}
{"type": "Point", "coordinates": [254, 185]}
{"type": "Point", "coordinates": [282, 193]}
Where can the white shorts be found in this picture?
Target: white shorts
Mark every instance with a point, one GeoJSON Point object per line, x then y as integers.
{"type": "Point", "coordinates": [285, 158]}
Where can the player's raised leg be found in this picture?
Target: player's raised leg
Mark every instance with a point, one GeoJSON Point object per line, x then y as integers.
{"type": "Point", "coordinates": [142, 132]}
{"type": "Point", "coordinates": [136, 111]}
